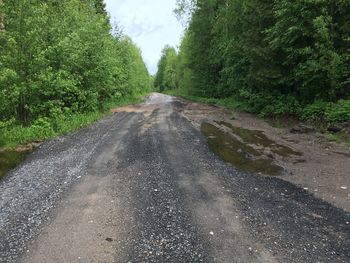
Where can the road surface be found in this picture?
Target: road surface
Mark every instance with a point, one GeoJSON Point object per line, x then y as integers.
{"type": "Point", "coordinates": [143, 186]}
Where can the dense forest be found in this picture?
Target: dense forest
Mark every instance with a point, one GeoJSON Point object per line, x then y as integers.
{"type": "Point", "coordinates": [269, 57]}
{"type": "Point", "coordinates": [61, 64]}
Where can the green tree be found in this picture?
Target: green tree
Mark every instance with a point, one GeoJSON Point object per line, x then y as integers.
{"type": "Point", "coordinates": [166, 74]}
{"type": "Point", "coordinates": [183, 72]}
{"type": "Point", "coordinates": [59, 57]}
{"type": "Point", "coordinates": [273, 56]}
{"type": "Point", "coordinates": [100, 7]}
{"type": "Point", "coordinates": [311, 40]}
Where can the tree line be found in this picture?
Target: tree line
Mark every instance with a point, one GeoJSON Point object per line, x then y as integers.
{"type": "Point", "coordinates": [60, 57]}
{"type": "Point", "coordinates": [272, 57]}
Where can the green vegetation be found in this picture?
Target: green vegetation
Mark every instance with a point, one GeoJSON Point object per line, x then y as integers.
{"type": "Point", "coordinates": [166, 76]}
{"type": "Point", "coordinates": [274, 58]}
{"type": "Point", "coordinates": [44, 128]}
{"type": "Point", "coordinates": [62, 68]}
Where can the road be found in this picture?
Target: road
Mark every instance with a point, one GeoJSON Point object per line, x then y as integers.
{"type": "Point", "coordinates": [143, 186]}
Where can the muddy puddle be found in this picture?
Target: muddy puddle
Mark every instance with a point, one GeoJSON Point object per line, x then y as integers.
{"type": "Point", "coordinates": [259, 139]}
{"type": "Point", "coordinates": [9, 160]}
{"type": "Point", "coordinates": [244, 148]}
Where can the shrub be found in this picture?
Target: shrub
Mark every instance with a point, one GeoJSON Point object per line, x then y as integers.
{"type": "Point", "coordinates": [273, 105]}
{"type": "Point", "coordinates": [338, 112]}
{"type": "Point", "coordinates": [315, 111]}
{"type": "Point", "coordinates": [42, 129]}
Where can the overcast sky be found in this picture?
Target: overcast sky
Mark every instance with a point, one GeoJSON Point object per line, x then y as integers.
{"type": "Point", "coordinates": [150, 23]}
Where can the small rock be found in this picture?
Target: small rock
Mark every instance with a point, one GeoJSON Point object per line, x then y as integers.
{"type": "Point", "coordinates": [211, 233]}
{"type": "Point", "coordinates": [344, 187]}
{"type": "Point", "coordinates": [334, 129]}
{"type": "Point", "coordinates": [109, 239]}
{"type": "Point", "coordinates": [301, 128]}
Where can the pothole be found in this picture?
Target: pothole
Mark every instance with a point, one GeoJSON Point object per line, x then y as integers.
{"type": "Point", "coordinates": [9, 160]}
{"type": "Point", "coordinates": [246, 149]}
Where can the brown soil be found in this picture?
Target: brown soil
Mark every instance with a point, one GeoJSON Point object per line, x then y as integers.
{"type": "Point", "coordinates": [24, 148]}
{"type": "Point", "coordinates": [308, 159]}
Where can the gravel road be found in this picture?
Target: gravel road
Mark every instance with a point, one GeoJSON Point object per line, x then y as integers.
{"type": "Point", "coordinates": [143, 186]}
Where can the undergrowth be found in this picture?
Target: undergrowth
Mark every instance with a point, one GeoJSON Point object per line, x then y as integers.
{"type": "Point", "coordinates": [14, 134]}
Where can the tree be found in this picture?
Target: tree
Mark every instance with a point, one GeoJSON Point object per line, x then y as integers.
{"type": "Point", "coordinates": [51, 66]}
{"type": "Point", "coordinates": [183, 72]}
{"type": "Point", "coordinates": [100, 7]}
{"type": "Point", "coordinates": [312, 47]}
{"type": "Point", "coordinates": [274, 56]}
{"type": "Point", "coordinates": [166, 74]}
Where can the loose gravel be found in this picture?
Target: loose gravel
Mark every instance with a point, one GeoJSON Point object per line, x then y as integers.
{"type": "Point", "coordinates": [33, 189]}
{"type": "Point", "coordinates": [181, 202]}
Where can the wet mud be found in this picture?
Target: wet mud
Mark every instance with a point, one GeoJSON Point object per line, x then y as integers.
{"type": "Point", "coordinates": [240, 154]}
{"type": "Point", "coordinates": [258, 138]}
{"type": "Point", "coordinates": [9, 160]}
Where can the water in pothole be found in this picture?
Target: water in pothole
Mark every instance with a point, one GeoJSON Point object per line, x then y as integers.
{"type": "Point", "coordinates": [9, 160]}
{"type": "Point", "coordinates": [240, 154]}
{"type": "Point", "coordinates": [260, 139]}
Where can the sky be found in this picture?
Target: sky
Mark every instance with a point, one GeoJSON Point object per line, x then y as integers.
{"type": "Point", "coordinates": [150, 23]}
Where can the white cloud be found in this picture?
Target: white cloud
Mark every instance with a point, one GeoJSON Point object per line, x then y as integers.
{"type": "Point", "coordinates": [150, 23]}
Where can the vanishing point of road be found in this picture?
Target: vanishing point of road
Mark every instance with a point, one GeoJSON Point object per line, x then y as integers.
{"type": "Point", "coordinates": [142, 186]}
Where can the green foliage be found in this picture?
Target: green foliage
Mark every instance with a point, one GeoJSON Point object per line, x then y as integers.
{"type": "Point", "coordinates": [338, 112]}
{"type": "Point", "coordinates": [327, 111]}
{"type": "Point", "coordinates": [166, 77]}
{"type": "Point", "coordinates": [59, 58]}
{"type": "Point", "coordinates": [268, 105]}
{"type": "Point", "coordinates": [315, 111]}
{"type": "Point", "coordinates": [274, 57]}
{"type": "Point", "coordinates": [13, 133]}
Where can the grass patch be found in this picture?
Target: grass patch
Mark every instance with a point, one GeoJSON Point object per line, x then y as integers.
{"type": "Point", "coordinates": [14, 134]}
{"type": "Point", "coordinates": [339, 137]}
{"type": "Point", "coordinates": [333, 137]}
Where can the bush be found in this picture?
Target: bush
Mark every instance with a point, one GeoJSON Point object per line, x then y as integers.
{"type": "Point", "coordinates": [273, 105]}
{"type": "Point", "coordinates": [315, 111]}
{"type": "Point", "coordinates": [328, 112]}
{"type": "Point", "coordinates": [41, 129]}
{"type": "Point", "coordinates": [338, 112]}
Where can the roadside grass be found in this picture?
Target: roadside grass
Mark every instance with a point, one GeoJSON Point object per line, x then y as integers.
{"type": "Point", "coordinates": [333, 137]}
{"type": "Point", "coordinates": [339, 137]}
{"type": "Point", "coordinates": [44, 128]}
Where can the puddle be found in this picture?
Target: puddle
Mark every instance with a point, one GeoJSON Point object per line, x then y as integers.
{"type": "Point", "coordinates": [258, 138]}
{"type": "Point", "coordinates": [9, 160]}
{"type": "Point", "coordinates": [239, 154]}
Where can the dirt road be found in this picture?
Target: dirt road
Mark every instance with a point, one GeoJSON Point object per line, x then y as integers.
{"type": "Point", "coordinates": [143, 186]}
